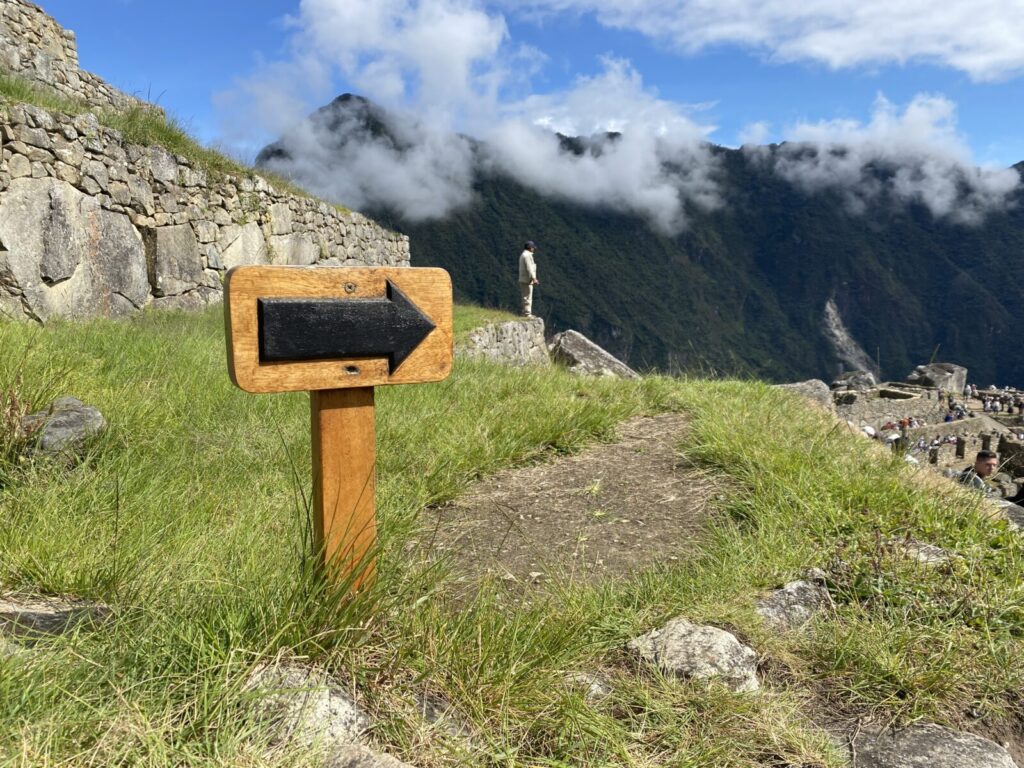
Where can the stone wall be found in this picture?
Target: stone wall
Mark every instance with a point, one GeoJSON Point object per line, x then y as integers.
{"type": "Point", "coordinates": [34, 46]}
{"type": "Point", "coordinates": [93, 225]}
{"type": "Point", "coordinates": [516, 342]}
{"type": "Point", "coordinates": [869, 409]}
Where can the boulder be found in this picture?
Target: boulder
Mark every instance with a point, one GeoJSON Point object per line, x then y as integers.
{"type": "Point", "coordinates": [856, 381]}
{"type": "Point", "coordinates": [689, 650]}
{"type": "Point", "coordinates": [36, 615]}
{"type": "Point", "coordinates": [927, 745]}
{"type": "Point", "coordinates": [304, 706]}
{"type": "Point", "coordinates": [583, 357]}
{"type": "Point", "coordinates": [794, 604]}
{"type": "Point", "coordinates": [64, 427]}
{"type": "Point", "coordinates": [814, 390]}
{"type": "Point", "coordinates": [944, 376]}
{"type": "Point", "coordinates": [1012, 513]}
{"type": "Point", "coordinates": [61, 255]}
{"type": "Point", "coordinates": [173, 259]}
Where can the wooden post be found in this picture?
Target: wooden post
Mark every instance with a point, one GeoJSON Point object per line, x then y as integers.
{"type": "Point", "coordinates": [961, 447]}
{"type": "Point", "coordinates": [986, 442]}
{"type": "Point", "coordinates": [344, 482]}
{"type": "Point", "coordinates": [933, 455]}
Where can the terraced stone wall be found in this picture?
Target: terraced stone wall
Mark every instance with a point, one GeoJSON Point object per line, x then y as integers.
{"type": "Point", "coordinates": [34, 46]}
{"type": "Point", "coordinates": [93, 225]}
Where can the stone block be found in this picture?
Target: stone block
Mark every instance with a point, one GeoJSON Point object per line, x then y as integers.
{"type": "Point", "coordinates": [206, 231]}
{"type": "Point", "coordinates": [794, 604]}
{"type": "Point", "coordinates": [249, 247]}
{"type": "Point", "coordinates": [945, 376]}
{"type": "Point", "coordinates": [163, 165]}
{"type": "Point", "coordinates": [173, 259]}
{"type": "Point", "coordinates": [65, 256]}
{"type": "Point", "coordinates": [19, 166]}
{"type": "Point", "coordinates": [293, 249]}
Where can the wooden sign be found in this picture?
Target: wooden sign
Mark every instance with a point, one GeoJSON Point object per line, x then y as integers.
{"type": "Point", "coordinates": [338, 332]}
{"type": "Point", "coordinates": [294, 329]}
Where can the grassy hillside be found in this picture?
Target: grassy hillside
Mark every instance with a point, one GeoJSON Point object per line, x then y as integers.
{"type": "Point", "coordinates": [187, 517]}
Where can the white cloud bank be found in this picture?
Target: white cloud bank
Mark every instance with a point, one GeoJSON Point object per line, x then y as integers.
{"type": "Point", "coordinates": [911, 156]}
{"type": "Point", "coordinates": [980, 37]}
{"type": "Point", "coordinates": [452, 64]}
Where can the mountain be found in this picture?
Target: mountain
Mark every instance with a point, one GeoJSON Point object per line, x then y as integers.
{"type": "Point", "coordinates": [778, 283]}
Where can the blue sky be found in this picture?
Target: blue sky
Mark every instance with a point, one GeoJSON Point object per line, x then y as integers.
{"type": "Point", "coordinates": [183, 54]}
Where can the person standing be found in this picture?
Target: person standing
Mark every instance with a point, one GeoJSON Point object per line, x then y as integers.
{"type": "Point", "coordinates": [527, 277]}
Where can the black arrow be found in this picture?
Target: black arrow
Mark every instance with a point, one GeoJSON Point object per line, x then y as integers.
{"type": "Point", "coordinates": [292, 329]}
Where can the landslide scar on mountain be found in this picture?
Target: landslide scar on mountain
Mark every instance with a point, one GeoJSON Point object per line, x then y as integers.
{"type": "Point", "coordinates": [604, 512]}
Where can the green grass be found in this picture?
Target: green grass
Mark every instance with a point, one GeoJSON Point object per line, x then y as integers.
{"type": "Point", "coordinates": [187, 517]}
{"type": "Point", "coordinates": [148, 127]}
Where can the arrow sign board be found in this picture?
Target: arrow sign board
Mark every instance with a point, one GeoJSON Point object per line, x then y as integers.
{"type": "Point", "coordinates": [338, 332]}
{"type": "Point", "coordinates": [314, 328]}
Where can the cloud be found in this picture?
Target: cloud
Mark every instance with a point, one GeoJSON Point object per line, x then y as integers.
{"type": "Point", "coordinates": [755, 133]}
{"type": "Point", "coordinates": [659, 163]}
{"type": "Point", "coordinates": [411, 167]}
{"type": "Point", "coordinates": [911, 156]}
{"type": "Point", "coordinates": [438, 54]}
{"type": "Point", "coordinates": [453, 65]}
{"type": "Point", "coordinates": [979, 37]}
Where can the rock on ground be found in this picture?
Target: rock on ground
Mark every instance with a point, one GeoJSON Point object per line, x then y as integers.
{"type": "Point", "coordinates": [594, 686]}
{"type": "Point", "coordinates": [689, 650]}
{"type": "Point", "coordinates": [814, 390]}
{"type": "Point", "coordinates": [922, 552]}
{"type": "Point", "coordinates": [794, 604]}
{"type": "Point", "coordinates": [1012, 513]}
{"type": "Point", "coordinates": [64, 426]}
{"type": "Point", "coordinates": [437, 711]}
{"type": "Point", "coordinates": [945, 376]}
{"type": "Point", "coordinates": [356, 756]}
{"type": "Point", "coordinates": [34, 615]}
{"type": "Point", "coordinates": [927, 746]}
{"type": "Point", "coordinates": [304, 705]}
{"type": "Point", "coordinates": [582, 356]}
{"type": "Point", "coordinates": [857, 381]}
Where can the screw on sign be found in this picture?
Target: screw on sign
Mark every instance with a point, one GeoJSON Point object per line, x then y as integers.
{"type": "Point", "coordinates": [338, 332]}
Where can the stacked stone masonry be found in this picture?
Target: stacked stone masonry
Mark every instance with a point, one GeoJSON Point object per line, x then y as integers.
{"type": "Point", "coordinates": [35, 47]}
{"type": "Point", "coordinates": [515, 342]}
{"type": "Point", "coordinates": [93, 225]}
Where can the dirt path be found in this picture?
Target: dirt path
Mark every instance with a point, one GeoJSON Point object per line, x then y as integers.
{"type": "Point", "coordinates": [603, 512]}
